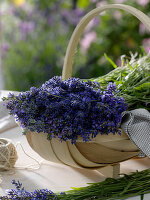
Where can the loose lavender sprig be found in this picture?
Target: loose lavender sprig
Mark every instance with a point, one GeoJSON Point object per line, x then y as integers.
{"type": "Point", "coordinates": [21, 193]}
{"type": "Point", "coordinates": [68, 109]}
{"type": "Point", "coordinates": [134, 184]}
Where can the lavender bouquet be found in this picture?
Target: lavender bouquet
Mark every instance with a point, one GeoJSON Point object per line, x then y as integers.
{"type": "Point", "coordinates": [131, 185]}
{"type": "Point", "coordinates": [68, 109]}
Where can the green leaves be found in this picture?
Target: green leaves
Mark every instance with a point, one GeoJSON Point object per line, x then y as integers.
{"type": "Point", "coordinates": [83, 3]}
{"type": "Point", "coordinates": [144, 86]}
{"type": "Point", "coordinates": [132, 80]}
{"type": "Point", "coordinates": [137, 183]}
{"type": "Point", "coordinates": [111, 62]}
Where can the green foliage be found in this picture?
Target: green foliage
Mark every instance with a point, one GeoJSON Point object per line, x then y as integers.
{"type": "Point", "coordinates": [83, 3]}
{"type": "Point", "coordinates": [38, 33]}
{"type": "Point", "coordinates": [133, 82]}
{"type": "Point", "coordinates": [111, 62]}
{"type": "Point", "coordinates": [137, 183]}
{"type": "Point", "coordinates": [31, 64]}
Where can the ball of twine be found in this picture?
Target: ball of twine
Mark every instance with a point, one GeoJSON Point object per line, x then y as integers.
{"type": "Point", "coordinates": [8, 154]}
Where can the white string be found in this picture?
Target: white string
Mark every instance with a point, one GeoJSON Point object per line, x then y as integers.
{"type": "Point", "coordinates": [31, 166]}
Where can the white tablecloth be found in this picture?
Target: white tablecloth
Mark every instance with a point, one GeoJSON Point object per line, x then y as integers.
{"type": "Point", "coordinates": [53, 176]}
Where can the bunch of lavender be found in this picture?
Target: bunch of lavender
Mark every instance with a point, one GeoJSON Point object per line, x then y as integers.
{"type": "Point", "coordinates": [68, 109]}
{"type": "Point", "coordinates": [21, 193]}
{"type": "Point", "coordinates": [134, 184]}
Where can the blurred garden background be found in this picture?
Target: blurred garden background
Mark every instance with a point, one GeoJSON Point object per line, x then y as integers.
{"type": "Point", "coordinates": [34, 35]}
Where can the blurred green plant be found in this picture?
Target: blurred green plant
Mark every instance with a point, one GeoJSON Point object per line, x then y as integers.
{"type": "Point", "coordinates": [36, 34]}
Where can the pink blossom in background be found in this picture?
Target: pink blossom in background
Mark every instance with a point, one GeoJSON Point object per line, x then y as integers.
{"type": "Point", "coordinates": [143, 2]}
{"type": "Point", "coordinates": [5, 47]}
{"type": "Point", "coordinates": [11, 10]}
{"type": "Point", "coordinates": [87, 40]}
{"type": "Point", "coordinates": [92, 24]}
{"type": "Point", "coordinates": [146, 45]}
{"type": "Point", "coordinates": [101, 3]}
{"type": "Point", "coordinates": [143, 29]}
{"type": "Point", "coordinates": [117, 15]}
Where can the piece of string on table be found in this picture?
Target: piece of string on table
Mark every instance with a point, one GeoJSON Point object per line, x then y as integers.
{"type": "Point", "coordinates": [31, 166]}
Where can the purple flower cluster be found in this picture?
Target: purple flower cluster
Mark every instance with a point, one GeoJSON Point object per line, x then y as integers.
{"type": "Point", "coordinates": [68, 109]}
{"type": "Point", "coordinates": [21, 193]}
{"type": "Point", "coordinates": [72, 16]}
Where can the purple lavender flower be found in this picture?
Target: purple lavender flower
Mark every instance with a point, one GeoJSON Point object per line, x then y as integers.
{"type": "Point", "coordinates": [51, 20]}
{"type": "Point", "coordinates": [21, 193]}
{"type": "Point", "coordinates": [25, 28]}
{"type": "Point", "coordinates": [68, 109]}
{"type": "Point", "coordinates": [73, 16]}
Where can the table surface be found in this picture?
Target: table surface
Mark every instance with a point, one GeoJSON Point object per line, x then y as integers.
{"type": "Point", "coordinates": [56, 177]}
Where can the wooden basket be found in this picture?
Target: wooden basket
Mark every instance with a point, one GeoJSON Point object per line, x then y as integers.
{"type": "Point", "coordinates": [102, 151]}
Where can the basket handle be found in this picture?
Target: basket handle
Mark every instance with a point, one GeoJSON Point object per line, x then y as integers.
{"type": "Point", "coordinates": [69, 57]}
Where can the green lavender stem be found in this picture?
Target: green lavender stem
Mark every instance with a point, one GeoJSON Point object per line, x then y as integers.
{"type": "Point", "coordinates": [133, 81]}
{"type": "Point", "coordinates": [137, 183]}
